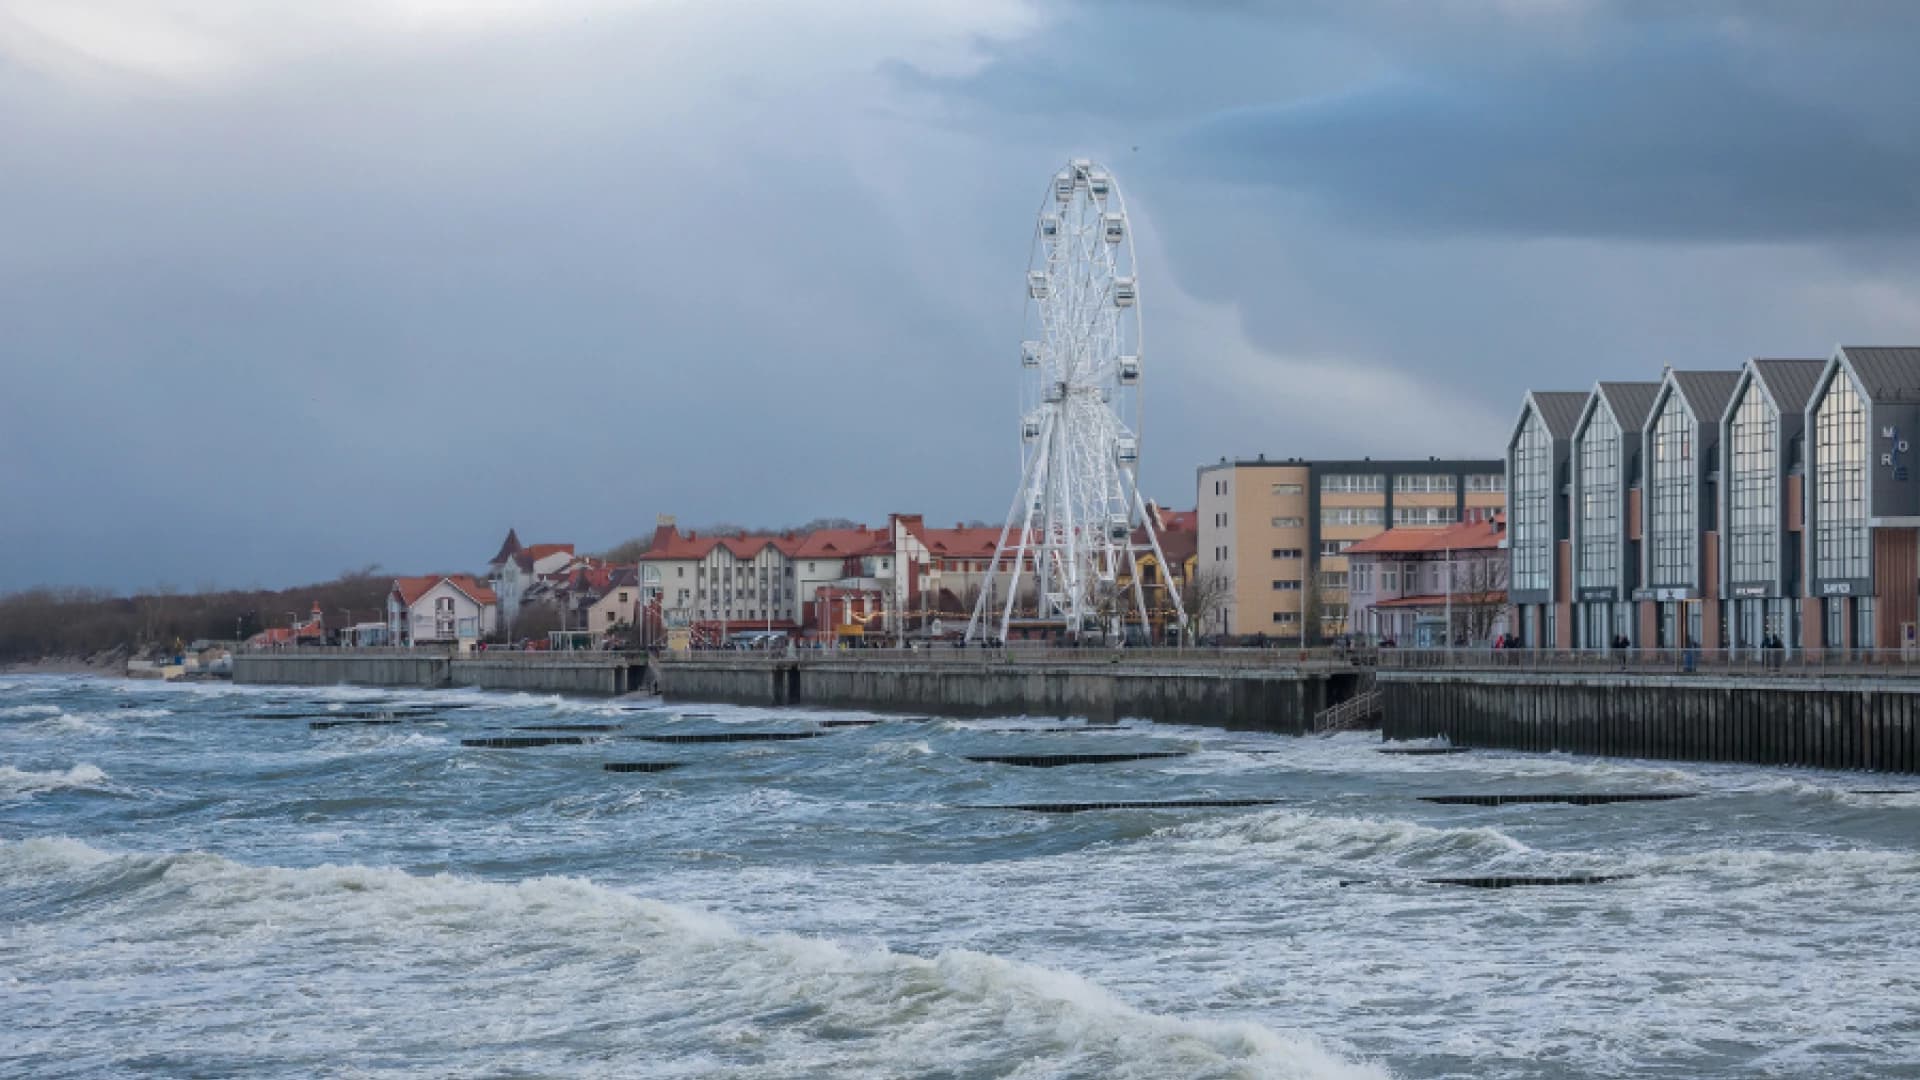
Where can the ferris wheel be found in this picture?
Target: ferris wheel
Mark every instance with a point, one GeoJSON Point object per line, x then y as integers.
{"type": "Point", "coordinates": [1070, 549]}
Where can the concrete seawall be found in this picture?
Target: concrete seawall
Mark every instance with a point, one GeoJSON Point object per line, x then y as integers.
{"type": "Point", "coordinates": [1268, 699]}
{"type": "Point", "coordinates": [587, 674]}
{"type": "Point", "coordinates": [1837, 722]}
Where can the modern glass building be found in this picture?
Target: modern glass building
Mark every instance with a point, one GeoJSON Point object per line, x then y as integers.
{"type": "Point", "coordinates": [1681, 599]}
{"type": "Point", "coordinates": [1538, 450]}
{"type": "Point", "coordinates": [1862, 501]}
{"type": "Point", "coordinates": [1763, 436]}
{"type": "Point", "coordinates": [1606, 525]}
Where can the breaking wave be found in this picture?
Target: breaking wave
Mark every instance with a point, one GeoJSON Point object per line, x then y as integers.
{"type": "Point", "coordinates": [1359, 841]}
{"type": "Point", "coordinates": [16, 782]}
{"type": "Point", "coordinates": [682, 990]}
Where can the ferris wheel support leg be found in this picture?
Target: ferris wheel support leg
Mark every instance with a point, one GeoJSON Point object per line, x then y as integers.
{"type": "Point", "coordinates": [981, 604]}
{"type": "Point", "coordinates": [1026, 532]}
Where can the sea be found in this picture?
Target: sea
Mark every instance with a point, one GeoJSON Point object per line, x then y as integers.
{"type": "Point", "coordinates": [211, 880]}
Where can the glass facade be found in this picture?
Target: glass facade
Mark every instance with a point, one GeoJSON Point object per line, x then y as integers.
{"type": "Point", "coordinates": [1840, 465]}
{"type": "Point", "coordinates": [1600, 507]}
{"type": "Point", "coordinates": [1530, 528]}
{"type": "Point", "coordinates": [1671, 496]}
{"type": "Point", "coordinates": [1753, 489]}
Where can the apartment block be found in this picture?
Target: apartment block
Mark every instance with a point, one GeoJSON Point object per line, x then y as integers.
{"type": "Point", "coordinates": [1278, 531]}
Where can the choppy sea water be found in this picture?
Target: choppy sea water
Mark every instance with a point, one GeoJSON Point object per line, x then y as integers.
{"type": "Point", "coordinates": [195, 881]}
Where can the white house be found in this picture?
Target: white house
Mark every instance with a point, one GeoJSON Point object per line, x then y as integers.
{"type": "Point", "coordinates": [441, 608]}
{"type": "Point", "coordinates": [521, 569]}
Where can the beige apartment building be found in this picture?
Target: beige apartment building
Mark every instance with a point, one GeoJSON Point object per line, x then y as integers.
{"type": "Point", "coordinates": [1278, 530]}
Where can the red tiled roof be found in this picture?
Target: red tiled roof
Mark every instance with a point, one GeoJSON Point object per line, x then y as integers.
{"type": "Point", "coordinates": [669, 544]}
{"type": "Point", "coordinates": [411, 589]}
{"type": "Point", "coordinates": [841, 543]}
{"type": "Point", "coordinates": [1468, 536]}
{"type": "Point", "coordinates": [533, 553]}
{"type": "Point", "coordinates": [961, 543]}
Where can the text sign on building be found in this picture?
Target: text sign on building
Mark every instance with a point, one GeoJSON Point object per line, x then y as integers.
{"type": "Point", "coordinates": [1592, 593]}
{"type": "Point", "coordinates": [1894, 456]}
{"type": "Point", "coordinates": [1668, 593]}
{"type": "Point", "coordinates": [1751, 590]}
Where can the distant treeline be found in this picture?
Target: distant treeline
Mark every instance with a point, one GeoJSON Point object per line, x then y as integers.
{"type": "Point", "coordinates": [47, 622]}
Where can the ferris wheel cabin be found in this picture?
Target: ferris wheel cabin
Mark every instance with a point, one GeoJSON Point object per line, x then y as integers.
{"type": "Point", "coordinates": [1099, 185]}
{"type": "Point", "coordinates": [1119, 528]}
{"type": "Point", "coordinates": [1127, 450]}
{"type": "Point", "coordinates": [1030, 354]}
{"type": "Point", "coordinates": [1124, 292]}
{"type": "Point", "coordinates": [1037, 286]}
{"type": "Point", "coordinates": [1063, 185]}
{"type": "Point", "coordinates": [1129, 371]}
{"type": "Point", "coordinates": [1050, 227]}
{"type": "Point", "coordinates": [1113, 227]}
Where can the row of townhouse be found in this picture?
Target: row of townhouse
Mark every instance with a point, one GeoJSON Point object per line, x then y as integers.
{"type": "Point", "coordinates": [903, 579]}
{"type": "Point", "coordinates": [1721, 509]}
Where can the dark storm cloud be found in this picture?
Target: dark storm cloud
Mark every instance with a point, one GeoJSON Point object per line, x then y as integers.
{"type": "Point", "coordinates": [1673, 144]}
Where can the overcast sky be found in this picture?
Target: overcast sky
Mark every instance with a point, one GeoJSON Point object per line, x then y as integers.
{"type": "Point", "coordinates": [291, 288]}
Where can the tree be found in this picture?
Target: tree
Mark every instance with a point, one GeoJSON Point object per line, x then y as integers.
{"type": "Point", "coordinates": [627, 551]}
{"type": "Point", "coordinates": [1205, 596]}
{"type": "Point", "coordinates": [1479, 595]}
{"type": "Point", "coordinates": [1310, 608]}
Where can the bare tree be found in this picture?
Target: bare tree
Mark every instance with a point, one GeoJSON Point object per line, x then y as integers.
{"type": "Point", "coordinates": [1206, 595]}
{"type": "Point", "coordinates": [1479, 596]}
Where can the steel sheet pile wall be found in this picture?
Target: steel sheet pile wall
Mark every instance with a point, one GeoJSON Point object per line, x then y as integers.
{"type": "Point", "coordinates": [1835, 723]}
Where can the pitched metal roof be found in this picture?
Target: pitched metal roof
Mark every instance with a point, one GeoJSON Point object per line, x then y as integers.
{"type": "Point", "coordinates": [1707, 392]}
{"type": "Point", "coordinates": [1630, 402]}
{"type": "Point", "coordinates": [1791, 382]}
{"type": "Point", "coordinates": [1559, 409]}
{"type": "Point", "coordinates": [1888, 374]}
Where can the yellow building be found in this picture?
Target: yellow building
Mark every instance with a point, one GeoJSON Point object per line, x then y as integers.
{"type": "Point", "coordinates": [1278, 530]}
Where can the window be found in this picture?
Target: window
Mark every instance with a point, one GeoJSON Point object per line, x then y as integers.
{"type": "Point", "coordinates": [1334, 547]}
{"type": "Point", "coordinates": [1354, 515]}
{"type": "Point", "coordinates": [1485, 482]}
{"type": "Point", "coordinates": [1287, 489]}
{"type": "Point", "coordinates": [1530, 526]}
{"type": "Point", "coordinates": [1423, 483]}
{"type": "Point", "coordinates": [1353, 482]}
{"type": "Point", "coordinates": [1286, 553]}
{"type": "Point", "coordinates": [1753, 485]}
{"type": "Point", "coordinates": [1675, 540]}
{"type": "Point", "coordinates": [1600, 499]}
{"type": "Point", "coordinates": [1332, 579]}
{"type": "Point", "coordinates": [1840, 463]}
{"type": "Point", "coordinates": [1289, 523]}
{"type": "Point", "coordinates": [1286, 618]}
{"type": "Point", "coordinates": [1424, 515]}
{"type": "Point", "coordinates": [1287, 585]}
{"type": "Point", "coordinates": [681, 571]}
{"type": "Point", "coordinates": [623, 597]}
{"type": "Point", "coordinates": [1390, 579]}
{"type": "Point", "coordinates": [1360, 578]}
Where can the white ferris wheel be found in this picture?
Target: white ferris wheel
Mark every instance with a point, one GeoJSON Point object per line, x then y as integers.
{"type": "Point", "coordinates": [1068, 556]}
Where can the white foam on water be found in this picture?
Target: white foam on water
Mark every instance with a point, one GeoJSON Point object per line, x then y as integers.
{"type": "Point", "coordinates": [29, 710]}
{"type": "Point", "coordinates": [1357, 842]}
{"type": "Point", "coordinates": [20, 782]}
{"type": "Point", "coordinates": [388, 956]}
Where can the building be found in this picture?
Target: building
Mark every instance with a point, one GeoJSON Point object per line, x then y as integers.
{"type": "Point", "coordinates": [1605, 519]}
{"type": "Point", "coordinates": [1679, 557]}
{"type": "Point", "coordinates": [454, 609]}
{"type": "Point", "coordinates": [1408, 585]}
{"type": "Point", "coordinates": [718, 585]}
{"type": "Point", "coordinates": [1862, 501]}
{"type": "Point", "coordinates": [1763, 442]}
{"type": "Point", "coordinates": [514, 576]}
{"type": "Point", "coordinates": [1774, 503]}
{"type": "Point", "coordinates": [1538, 525]}
{"type": "Point", "coordinates": [617, 605]}
{"type": "Point", "coordinates": [1278, 532]}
